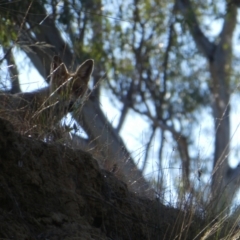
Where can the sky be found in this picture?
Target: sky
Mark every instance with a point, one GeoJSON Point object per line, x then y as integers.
{"type": "Point", "coordinates": [135, 129]}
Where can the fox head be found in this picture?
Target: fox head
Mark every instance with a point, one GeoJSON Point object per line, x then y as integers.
{"type": "Point", "coordinates": [70, 86]}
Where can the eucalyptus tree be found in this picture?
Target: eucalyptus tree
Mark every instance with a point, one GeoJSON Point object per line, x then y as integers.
{"type": "Point", "coordinates": [179, 69]}
{"type": "Point", "coordinates": [158, 59]}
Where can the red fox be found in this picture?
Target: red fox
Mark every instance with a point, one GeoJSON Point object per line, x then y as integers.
{"type": "Point", "coordinates": [39, 111]}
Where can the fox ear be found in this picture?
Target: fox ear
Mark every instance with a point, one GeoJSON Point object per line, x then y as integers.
{"type": "Point", "coordinates": [85, 70]}
{"type": "Point", "coordinates": [58, 68]}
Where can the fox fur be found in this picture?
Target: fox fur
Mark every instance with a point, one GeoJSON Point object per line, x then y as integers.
{"type": "Point", "coordinates": [39, 111]}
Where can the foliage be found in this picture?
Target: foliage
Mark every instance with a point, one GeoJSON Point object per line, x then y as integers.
{"type": "Point", "coordinates": [156, 58]}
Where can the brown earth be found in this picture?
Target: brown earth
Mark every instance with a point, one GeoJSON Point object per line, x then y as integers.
{"type": "Point", "coordinates": [48, 191]}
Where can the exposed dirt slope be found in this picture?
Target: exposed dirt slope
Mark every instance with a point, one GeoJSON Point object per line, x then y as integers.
{"type": "Point", "coordinates": [52, 192]}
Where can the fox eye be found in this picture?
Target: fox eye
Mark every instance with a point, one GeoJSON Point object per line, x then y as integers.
{"type": "Point", "coordinates": [70, 106]}
{"type": "Point", "coordinates": [79, 91]}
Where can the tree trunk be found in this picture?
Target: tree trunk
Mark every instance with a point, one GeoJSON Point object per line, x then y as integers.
{"type": "Point", "coordinates": [219, 57]}
{"type": "Point", "coordinates": [105, 138]}
{"type": "Point", "coordinates": [220, 110]}
{"type": "Point", "coordinates": [92, 119]}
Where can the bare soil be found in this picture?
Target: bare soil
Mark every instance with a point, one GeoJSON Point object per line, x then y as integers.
{"type": "Point", "coordinates": [48, 191]}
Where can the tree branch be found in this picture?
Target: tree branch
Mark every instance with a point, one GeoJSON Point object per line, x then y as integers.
{"type": "Point", "coordinates": [202, 42]}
